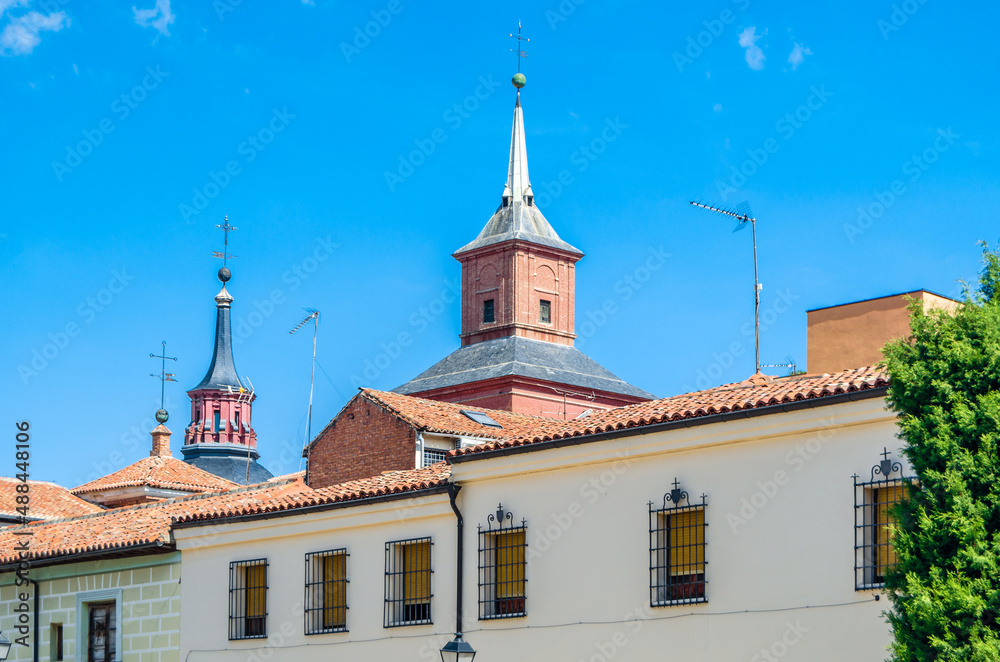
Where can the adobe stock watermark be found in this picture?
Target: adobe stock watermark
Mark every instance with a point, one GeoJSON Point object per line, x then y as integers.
{"type": "Point", "coordinates": [792, 635]}
{"type": "Point", "coordinates": [795, 461]}
{"type": "Point", "coordinates": [262, 310]}
{"type": "Point", "coordinates": [592, 491]}
{"type": "Point", "coordinates": [703, 40]}
{"type": "Point", "coordinates": [786, 127]}
{"type": "Point", "coordinates": [363, 35]}
{"type": "Point", "coordinates": [626, 287]}
{"type": "Point", "coordinates": [421, 319]}
{"type": "Point", "coordinates": [562, 12]}
{"type": "Point", "coordinates": [249, 149]}
{"type": "Point", "coordinates": [607, 650]}
{"type": "Point", "coordinates": [710, 374]}
{"type": "Point", "coordinates": [453, 117]}
{"type": "Point", "coordinates": [582, 158]}
{"type": "Point", "coordinates": [901, 13]}
{"type": "Point", "coordinates": [87, 311]}
{"type": "Point", "coordinates": [122, 107]}
{"type": "Point", "coordinates": [913, 168]}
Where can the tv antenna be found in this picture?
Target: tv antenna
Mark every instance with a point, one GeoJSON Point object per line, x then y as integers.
{"type": "Point", "coordinates": [314, 316]}
{"type": "Point", "coordinates": [744, 216]}
{"type": "Point", "coordinates": [225, 254]}
{"type": "Point", "coordinates": [790, 364]}
{"type": "Point", "coordinates": [520, 53]}
{"type": "Point", "coordinates": [164, 377]}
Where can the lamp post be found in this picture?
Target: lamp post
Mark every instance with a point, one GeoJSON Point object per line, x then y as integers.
{"type": "Point", "coordinates": [457, 650]}
{"type": "Point", "coordinates": [5, 647]}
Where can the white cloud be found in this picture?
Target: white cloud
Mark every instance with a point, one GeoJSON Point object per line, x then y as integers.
{"type": "Point", "coordinates": [7, 4]}
{"type": "Point", "coordinates": [20, 35]}
{"type": "Point", "coordinates": [755, 56]}
{"type": "Point", "coordinates": [798, 54]}
{"type": "Point", "coordinates": [159, 17]}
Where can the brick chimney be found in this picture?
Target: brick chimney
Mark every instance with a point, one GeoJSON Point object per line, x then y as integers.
{"type": "Point", "coordinates": [161, 441]}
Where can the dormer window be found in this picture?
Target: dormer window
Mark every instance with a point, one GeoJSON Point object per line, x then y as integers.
{"type": "Point", "coordinates": [488, 314]}
{"type": "Point", "coordinates": [531, 200]}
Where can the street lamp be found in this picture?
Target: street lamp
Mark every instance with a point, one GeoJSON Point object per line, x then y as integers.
{"type": "Point", "coordinates": [5, 647]}
{"type": "Point", "coordinates": [456, 650]}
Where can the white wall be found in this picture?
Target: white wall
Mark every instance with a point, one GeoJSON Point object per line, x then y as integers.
{"type": "Point", "coordinates": [780, 575]}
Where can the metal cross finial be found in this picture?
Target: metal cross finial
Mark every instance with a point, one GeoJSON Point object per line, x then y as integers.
{"type": "Point", "coordinates": [225, 254]}
{"type": "Point", "coordinates": [518, 50]}
{"type": "Point", "coordinates": [884, 453]}
{"type": "Point", "coordinates": [677, 483]}
{"type": "Point", "coordinates": [164, 376]}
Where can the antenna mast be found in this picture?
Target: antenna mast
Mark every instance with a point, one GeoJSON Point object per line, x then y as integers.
{"type": "Point", "coordinates": [314, 316]}
{"type": "Point", "coordinates": [743, 215]}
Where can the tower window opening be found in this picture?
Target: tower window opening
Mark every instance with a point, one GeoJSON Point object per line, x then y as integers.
{"type": "Point", "coordinates": [218, 421]}
{"type": "Point", "coordinates": [488, 313]}
{"type": "Point", "coordinates": [237, 421]}
{"type": "Point", "coordinates": [545, 311]}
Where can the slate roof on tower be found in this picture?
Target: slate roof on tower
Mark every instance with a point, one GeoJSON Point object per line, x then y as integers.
{"type": "Point", "coordinates": [523, 357]}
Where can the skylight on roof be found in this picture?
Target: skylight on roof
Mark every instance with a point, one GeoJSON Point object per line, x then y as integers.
{"type": "Point", "coordinates": [481, 418]}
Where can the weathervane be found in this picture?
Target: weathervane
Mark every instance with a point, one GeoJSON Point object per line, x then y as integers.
{"type": "Point", "coordinates": [164, 376]}
{"type": "Point", "coordinates": [225, 254]}
{"type": "Point", "coordinates": [520, 53]}
{"type": "Point", "coordinates": [743, 215]}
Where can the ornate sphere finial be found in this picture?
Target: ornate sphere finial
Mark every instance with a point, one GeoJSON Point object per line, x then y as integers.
{"type": "Point", "coordinates": [162, 416]}
{"type": "Point", "coordinates": [225, 274]}
{"type": "Point", "coordinates": [519, 80]}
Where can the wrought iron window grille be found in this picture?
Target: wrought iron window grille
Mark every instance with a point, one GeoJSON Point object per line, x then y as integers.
{"type": "Point", "coordinates": [503, 566]}
{"type": "Point", "coordinates": [434, 455]}
{"type": "Point", "coordinates": [677, 549]}
{"type": "Point", "coordinates": [408, 582]}
{"type": "Point", "coordinates": [874, 501]}
{"type": "Point", "coordinates": [248, 599]}
{"type": "Point", "coordinates": [326, 592]}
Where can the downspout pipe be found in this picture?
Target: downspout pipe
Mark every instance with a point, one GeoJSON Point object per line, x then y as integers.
{"type": "Point", "coordinates": [453, 491]}
{"type": "Point", "coordinates": [35, 642]}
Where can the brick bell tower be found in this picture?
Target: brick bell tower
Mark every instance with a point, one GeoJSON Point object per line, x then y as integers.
{"type": "Point", "coordinates": [518, 286]}
{"type": "Point", "coordinates": [220, 438]}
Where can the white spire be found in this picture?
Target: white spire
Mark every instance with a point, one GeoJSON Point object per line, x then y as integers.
{"type": "Point", "coordinates": [518, 188]}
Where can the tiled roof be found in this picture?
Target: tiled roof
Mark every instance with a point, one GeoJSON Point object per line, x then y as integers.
{"type": "Point", "coordinates": [47, 500]}
{"type": "Point", "coordinates": [757, 392]}
{"type": "Point", "coordinates": [162, 472]}
{"type": "Point", "coordinates": [387, 483]}
{"type": "Point", "coordinates": [121, 529]}
{"type": "Point", "coordinates": [447, 418]}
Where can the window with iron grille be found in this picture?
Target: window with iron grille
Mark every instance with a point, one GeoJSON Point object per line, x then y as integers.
{"type": "Point", "coordinates": [248, 599]}
{"type": "Point", "coordinates": [326, 592]}
{"type": "Point", "coordinates": [502, 567]}
{"type": "Point", "coordinates": [408, 582]}
{"type": "Point", "coordinates": [677, 550]}
{"type": "Point", "coordinates": [434, 455]}
{"type": "Point", "coordinates": [488, 314]}
{"type": "Point", "coordinates": [874, 521]}
{"type": "Point", "coordinates": [545, 311]}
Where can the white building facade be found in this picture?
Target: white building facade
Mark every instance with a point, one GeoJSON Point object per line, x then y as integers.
{"type": "Point", "coordinates": [760, 557]}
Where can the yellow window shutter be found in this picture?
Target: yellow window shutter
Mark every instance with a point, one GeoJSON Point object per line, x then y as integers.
{"type": "Point", "coordinates": [334, 590]}
{"type": "Point", "coordinates": [417, 566]}
{"type": "Point", "coordinates": [510, 564]}
{"type": "Point", "coordinates": [256, 582]}
{"type": "Point", "coordinates": [886, 499]}
{"type": "Point", "coordinates": [686, 542]}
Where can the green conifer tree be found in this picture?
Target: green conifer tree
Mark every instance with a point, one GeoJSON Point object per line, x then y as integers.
{"type": "Point", "coordinates": [945, 387]}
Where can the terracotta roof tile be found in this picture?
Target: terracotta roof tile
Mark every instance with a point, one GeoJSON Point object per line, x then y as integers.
{"type": "Point", "coordinates": [756, 392]}
{"type": "Point", "coordinates": [163, 472]}
{"type": "Point", "coordinates": [389, 482]}
{"type": "Point", "coordinates": [123, 528]}
{"type": "Point", "coordinates": [47, 500]}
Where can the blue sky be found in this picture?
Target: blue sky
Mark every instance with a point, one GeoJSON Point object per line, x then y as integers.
{"type": "Point", "coordinates": [356, 146]}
